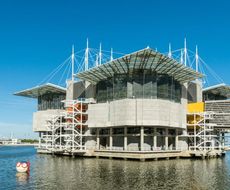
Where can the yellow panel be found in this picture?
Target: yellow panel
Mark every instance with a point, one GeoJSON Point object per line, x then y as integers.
{"type": "Point", "coordinates": [195, 107]}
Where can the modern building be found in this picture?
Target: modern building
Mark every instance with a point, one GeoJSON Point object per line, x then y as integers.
{"type": "Point", "coordinates": [141, 103]}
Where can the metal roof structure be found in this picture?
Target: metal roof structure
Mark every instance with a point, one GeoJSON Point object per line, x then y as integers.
{"type": "Point", "coordinates": [143, 59]}
{"type": "Point", "coordinates": [40, 90]}
{"type": "Point", "coordinates": [219, 89]}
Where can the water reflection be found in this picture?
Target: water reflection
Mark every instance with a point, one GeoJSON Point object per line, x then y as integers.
{"type": "Point", "coordinates": [22, 178]}
{"type": "Point", "coordinates": [51, 172]}
{"type": "Point", "coordinates": [118, 174]}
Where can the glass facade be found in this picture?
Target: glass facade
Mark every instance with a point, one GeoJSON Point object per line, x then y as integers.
{"type": "Point", "coordinates": [51, 101]}
{"type": "Point", "coordinates": [139, 84]}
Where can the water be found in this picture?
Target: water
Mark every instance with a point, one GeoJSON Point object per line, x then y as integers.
{"type": "Point", "coordinates": [48, 172]}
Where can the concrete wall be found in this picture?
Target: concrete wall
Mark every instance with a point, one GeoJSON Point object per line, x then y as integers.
{"type": "Point", "coordinates": [194, 90]}
{"type": "Point", "coordinates": [137, 112]}
{"type": "Point", "coordinates": [80, 89]}
{"type": "Point", "coordinates": [40, 119]}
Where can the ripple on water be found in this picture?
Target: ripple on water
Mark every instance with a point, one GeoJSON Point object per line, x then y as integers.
{"type": "Point", "coordinates": [48, 172]}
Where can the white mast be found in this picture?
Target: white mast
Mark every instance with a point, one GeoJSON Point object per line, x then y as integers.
{"type": "Point", "coordinates": [170, 51]}
{"type": "Point", "coordinates": [181, 56]}
{"type": "Point", "coordinates": [197, 59]}
{"type": "Point", "coordinates": [96, 63]}
{"type": "Point", "coordinates": [87, 55]}
{"type": "Point", "coordinates": [100, 55]}
{"type": "Point", "coordinates": [72, 57]}
{"type": "Point", "coordinates": [185, 52]}
{"type": "Point", "coordinates": [111, 55]}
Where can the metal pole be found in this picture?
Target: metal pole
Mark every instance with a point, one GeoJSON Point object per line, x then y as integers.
{"type": "Point", "coordinates": [72, 62]}
{"type": "Point", "coordinates": [87, 55]}
{"type": "Point", "coordinates": [185, 52]}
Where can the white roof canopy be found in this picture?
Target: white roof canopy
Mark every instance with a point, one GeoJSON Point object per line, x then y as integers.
{"type": "Point", "coordinates": [147, 59]}
{"type": "Point", "coordinates": [40, 90]}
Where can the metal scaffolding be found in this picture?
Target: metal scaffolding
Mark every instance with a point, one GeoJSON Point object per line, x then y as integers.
{"type": "Point", "coordinates": [201, 131]}
{"type": "Point", "coordinates": [67, 129]}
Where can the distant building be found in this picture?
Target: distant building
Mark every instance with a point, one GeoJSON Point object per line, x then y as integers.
{"type": "Point", "coordinates": [13, 141]}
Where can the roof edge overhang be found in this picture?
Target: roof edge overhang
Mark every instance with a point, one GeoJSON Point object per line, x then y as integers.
{"type": "Point", "coordinates": [142, 59]}
{"type": "Point", "coordinates": [219, 89]}
{"type": "Point", "coordinates": [36, 91]}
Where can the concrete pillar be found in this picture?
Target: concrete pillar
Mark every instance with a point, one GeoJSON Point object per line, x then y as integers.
{"type": "Point", "coordinates": [125, 138]}
{"type": "Point", "coordinates": [142, 138]}
{"type": "Point", "coordinates": [111, 138]}
{"type": "Point", "coordinates": [176, 140]}
{"type": "Point", "coordinates": [98, 139]}
{"type": "Point", "coordinates": [154, 138]}
{"type": "Point", "coordinates": [166, 139]}
{"type": "Point", "coordinates": [70, 90]}
{"type": "Point", "coordinates": [39, 140]}
{"type": "Point", "coordinates": [223, 144]}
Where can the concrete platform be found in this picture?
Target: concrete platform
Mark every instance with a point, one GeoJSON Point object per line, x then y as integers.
{"type": "Point", "coordinates": [138, 155]}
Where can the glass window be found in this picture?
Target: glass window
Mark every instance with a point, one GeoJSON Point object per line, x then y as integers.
{"type": "Point", "coordinates": [162, 87]}
{"type": "Point", "coordinates": [118, 131]}
{"type": "Point", "coordinates": [160, 131]}
{"type": "Point", "coordinates": [148, 130]}
{"type": "Point", "coordinates": [171, 131]}
{"type": "Point", "coordinates": [51, 101]}
{"type": "Point", "coordinates": [104, 131]}
{"type": "Point", "coordinates": [139, 84]}
{"type": "Point", "coordinates": [133, 130]}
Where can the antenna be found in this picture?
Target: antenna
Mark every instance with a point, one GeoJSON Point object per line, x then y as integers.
{"type": "Point", "coordinates": [197, 59]}
{"type": "Point", "coordinates": [100, 55]}
{"type": "Point", "coordinates": [72, 62]}
{"type": "Point", "coordinates": [111, 55]}
{"type": "Point", "coordinates": [87, 55]}
{"type": "Point", "coordinates": [181, 56]}
{"type": "Point", "coordinates": [185, 52]}
{"type": "Point", "coordinates": [170, 51]}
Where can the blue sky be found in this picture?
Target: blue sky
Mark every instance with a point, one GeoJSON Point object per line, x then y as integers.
{"type": "Point", "coordinates": [36, 36]}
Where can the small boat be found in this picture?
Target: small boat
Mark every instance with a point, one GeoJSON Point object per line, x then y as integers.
{"type": "Point", "coordinates": [23, 166]}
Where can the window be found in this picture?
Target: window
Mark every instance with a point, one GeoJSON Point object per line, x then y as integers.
{"type": "Point", "coordinates": [118, 131]}
{"type": "Point", "coordinates": [139, 84]}
{"type": "Point", "coordinates": [133, 130]}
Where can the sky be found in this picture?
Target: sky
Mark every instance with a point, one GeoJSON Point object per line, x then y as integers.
{"type": "Point", "coordinates": [36, 36]}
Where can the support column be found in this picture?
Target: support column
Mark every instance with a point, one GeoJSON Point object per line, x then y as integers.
{"type": "Point", "coordinates": [166, 139]}
{"type": "Point", "coordinates": [142, 139]}
{"type": "Point", "coordinates": [176, 140]}
{"type": "Point", "coordinates": [223, 143]}
{"type": "Point", "coordinates": [125, 138]}
{"type": "Point", "coordinates": [98, 139]}
{"type": "Point", "coordinates": [111, 138]}
{"type": "Point", "coordinates": [39, 140]}
{"type": "Point", "coordinates": [154, 138]}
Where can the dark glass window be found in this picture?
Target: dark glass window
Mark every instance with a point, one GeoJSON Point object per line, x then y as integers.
{"type": "Point", "coordinates": [118, 131]}
{"type": "Point", "coordinates": [93, 131]}
{"type": "Point", "coordinates": [138, 84]}
{"type": "Point", "coordinates": [162, 87]}
{"type": "Point", "coordinates": [172, 132]}
{"type": "Point", "coordinates": [148, 130]}
{"type": "Point", "coordinates": [104, 131]}
{"type": "Point", "coordinates": [160, 131]}
{"type": "Point", "coordinates": [133, 130]}
{"type": "Point", "coordinates": [51, 101]}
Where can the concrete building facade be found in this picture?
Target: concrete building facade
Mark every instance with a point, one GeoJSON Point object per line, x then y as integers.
{"type": "Point", "coordinates": [135, 103]}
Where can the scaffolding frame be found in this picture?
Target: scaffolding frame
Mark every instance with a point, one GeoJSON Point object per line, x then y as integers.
{"type": "Point", "coordinates": [66, 130]}
{"type": "Point", "coordinates": [201, 131]}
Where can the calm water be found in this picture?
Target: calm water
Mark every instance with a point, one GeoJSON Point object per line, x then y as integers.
{"type": "Point", "coordinates": [48, 172]}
